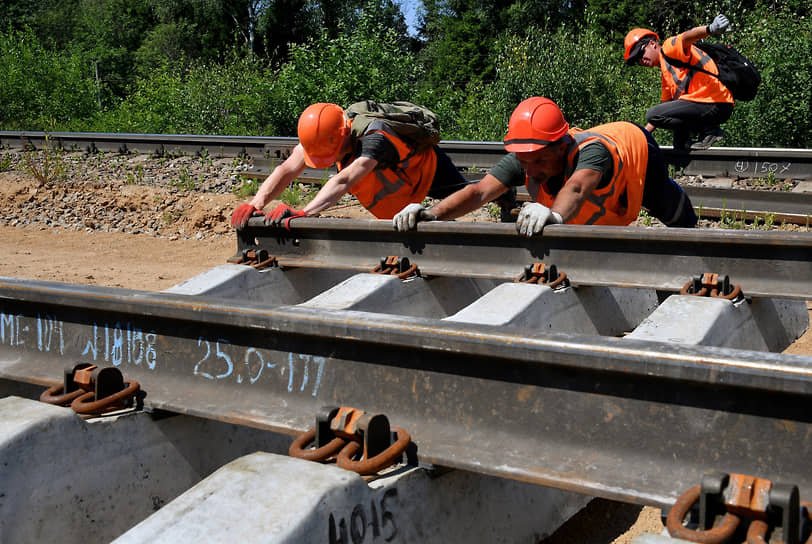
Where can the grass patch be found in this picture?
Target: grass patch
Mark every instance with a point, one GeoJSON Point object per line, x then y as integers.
{"type": "Point", "coordinates": [51, 169]}
{"type": "Point", "coordinates": [248, 187]}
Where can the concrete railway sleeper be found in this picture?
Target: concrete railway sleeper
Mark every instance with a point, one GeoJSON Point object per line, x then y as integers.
{"type": "Point", "coordinates": [521, 400]}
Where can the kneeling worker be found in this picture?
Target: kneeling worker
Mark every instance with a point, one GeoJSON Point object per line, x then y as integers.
{"type": "Point", "coordinates": [382, 169]}
{"type": "Point", "coordinates": [601, 176]}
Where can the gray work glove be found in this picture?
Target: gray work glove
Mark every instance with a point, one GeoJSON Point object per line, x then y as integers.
{"type": "Point", "coordinates": [719, 25]}
{"type": "Point", "coordinates": [534, 216]}
{"type": "Point", "coordinates": [408, 217]}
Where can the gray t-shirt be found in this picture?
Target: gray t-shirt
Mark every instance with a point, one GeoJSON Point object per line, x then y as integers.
{"type": "Point", "coordinates": [375, 146]}
{"type": "Point", "coordinates": [594, 156]}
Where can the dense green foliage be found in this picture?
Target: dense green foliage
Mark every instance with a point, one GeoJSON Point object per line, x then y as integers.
{"type": "Point", "coordinates": [250, 67]}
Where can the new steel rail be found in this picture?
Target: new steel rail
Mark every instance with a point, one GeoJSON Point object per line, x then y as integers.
{"type": "Point", "coordinates": [772, 264]}
{"type": "Point", "coordinates": [626, 420]}
{"type": "Point", "coordinates": [618, 418]}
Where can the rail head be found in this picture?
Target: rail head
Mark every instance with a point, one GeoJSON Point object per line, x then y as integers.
{"type": "Point", "coordinates": [763, 263]}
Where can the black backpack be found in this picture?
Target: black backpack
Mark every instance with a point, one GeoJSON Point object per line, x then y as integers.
{"type": "Point", "coordinates": [736, 72]}
{"type": "Point", "coordinates": [417, 125]}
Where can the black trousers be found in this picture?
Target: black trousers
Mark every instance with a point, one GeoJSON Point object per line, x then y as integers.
{"type": "Point", "coordinates": [447, 178]}
{"type": "Point", "coordinates": [685, 117]}
{"type": "Point", "coordinates": [662, 196]}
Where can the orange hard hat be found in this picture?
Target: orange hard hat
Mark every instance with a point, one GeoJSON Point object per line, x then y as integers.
{"type": "Point", "coordinates": [534, 124]}
{"type": "Point", "coordinates": [322, 128]}
{"type": "Point", "coordinates": [633, 43]}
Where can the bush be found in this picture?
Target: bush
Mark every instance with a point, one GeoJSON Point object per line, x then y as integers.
{"type": "Point", "coordinates": [227, 98]}
{"type": "Point", "coordinates": [780, 46]}
{"type": "Point", "coordinates": [369, 63]}
{"type": "Point", "coordinates": [42, 90]}
{"type": "Point", "coordinates": [585, 76]}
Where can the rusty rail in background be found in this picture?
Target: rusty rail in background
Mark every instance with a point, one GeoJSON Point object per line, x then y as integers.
{"type": "Point", "coordinates": [627, 420]}
{"type": "Point", "coordinates": [774, 264]}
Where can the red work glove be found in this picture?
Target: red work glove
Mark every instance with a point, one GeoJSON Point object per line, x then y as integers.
{"type": "Point", "coordinates": [241, 215]}
{"type": "Point", "coordinates": [283, 211]}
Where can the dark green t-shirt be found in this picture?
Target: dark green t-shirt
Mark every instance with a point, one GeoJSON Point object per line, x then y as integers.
{"type": "Point", "coordinates": [594, 156]}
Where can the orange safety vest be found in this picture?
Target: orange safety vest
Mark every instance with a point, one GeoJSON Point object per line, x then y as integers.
{"type": "Point", "coordinates": [619, 202]}
{"type": "Point", "coordinates": [684, 84]}
{"type": "Point", "coordinates": [387, 191]}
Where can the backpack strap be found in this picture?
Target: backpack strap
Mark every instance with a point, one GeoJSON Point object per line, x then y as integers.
{"type": "Point", "coordinates": [681, 64]}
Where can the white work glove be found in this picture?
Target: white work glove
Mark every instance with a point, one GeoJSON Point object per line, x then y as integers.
{"type": "Point", "coordinates": [719, 25]}
{"type": "Point", "coordinates": [534, 216]}
{"type": "Point", "coordinates": [408, 217]}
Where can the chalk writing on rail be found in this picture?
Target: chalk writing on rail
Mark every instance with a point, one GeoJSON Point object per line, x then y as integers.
{"type": "Point", "coordinates": [123, 343]}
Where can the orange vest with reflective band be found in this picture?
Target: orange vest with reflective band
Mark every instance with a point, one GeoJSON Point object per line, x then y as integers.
{"type": "Point", "coordinates": [684, 84]}
{"type": "Point", "coordinates": [619, 202]}
{"type": "Point", "coordinates": [387, 191]}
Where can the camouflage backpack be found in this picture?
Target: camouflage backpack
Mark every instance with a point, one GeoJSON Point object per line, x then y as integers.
{"type": "Point", "coordinates": [415, 124]}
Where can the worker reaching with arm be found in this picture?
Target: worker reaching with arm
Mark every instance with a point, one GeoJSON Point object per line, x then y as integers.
{"type": "Point", "coordinates": [383, 169]}
{"type": "Point", "coordinates": [601, 176]}
{"type": "Point", "coordinates": [693, 102]}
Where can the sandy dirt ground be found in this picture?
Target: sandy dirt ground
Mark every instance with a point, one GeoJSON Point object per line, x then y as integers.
{"type": "Point", "coordinates": [161, 236]}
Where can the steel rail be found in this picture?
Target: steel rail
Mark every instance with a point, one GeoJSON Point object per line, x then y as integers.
{"type": "Point", "coordinates": [627, 420]}
{"type": "Point", "coordinates": [740, 204]}
{"type": "Point", "coordinates": [155, 144]}
{"type": "Point", "coordinates": [265, 152]}
{"type": "Point", "coordinates": [775, 206]}
{"type": "Point", "coordinates": [742, 162]}
{"type": "Point", "coordinates": [766, 264]}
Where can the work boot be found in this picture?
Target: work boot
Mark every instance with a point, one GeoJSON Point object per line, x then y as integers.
{"type": "Point", "coordinates": [709, 139]}
{"type": "Point", "coordinates": [682, 141]}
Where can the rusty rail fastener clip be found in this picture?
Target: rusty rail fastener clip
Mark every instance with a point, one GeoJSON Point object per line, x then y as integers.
{"type": "Point", "coordinates": [65, 394]}
{"type": "Point", "coordinates": [542, 274]}
{"type": "Point", "coordinates": [726, 502]}
{"type": "Point", "coordinates": [341, 433]}
{"type": "Point", "coordinates": [257, 258]}
{"type": "Point", "coordinates": [710, 285]}
{"type": "Point", "coordinates": [396, 266]}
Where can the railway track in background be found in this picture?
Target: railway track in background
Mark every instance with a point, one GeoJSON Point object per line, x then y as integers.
{"type": "Point", "coordinates": [620, 418]}
{"type": "Point", "coordinates": [265, 152]}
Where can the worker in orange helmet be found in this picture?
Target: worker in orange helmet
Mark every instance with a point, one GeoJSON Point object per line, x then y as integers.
{"type": "Point", "coordinates": [599, 176]}
{"type": "Point", "coordinates": [384, 171]}
{"type": "Point", "coordinates": [692, 102]}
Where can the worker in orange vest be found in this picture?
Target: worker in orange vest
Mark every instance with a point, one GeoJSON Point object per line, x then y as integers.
{"type": "Point", "coordinates": [599, 176]}
{"type": "Point", "coordinates": [384, 171]}
{"type": "Point", "coordinates": [692, 102]}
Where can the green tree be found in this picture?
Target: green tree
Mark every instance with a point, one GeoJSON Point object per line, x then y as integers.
{"type": "Point", "coordinates": [42, 90]}
{"type": "Point", "coordinates": [369, 61]}
{"type": "Point", "coordinates": [110, 32]}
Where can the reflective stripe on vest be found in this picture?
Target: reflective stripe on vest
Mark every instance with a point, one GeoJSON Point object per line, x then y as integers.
{"type": "Point", "coordinates": [709, 89]}
{"type": "Point", "coordinates": [387, 191]}
{"type": "Point", "coordinates": [619, 202]}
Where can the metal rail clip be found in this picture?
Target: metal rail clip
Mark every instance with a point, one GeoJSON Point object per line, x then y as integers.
{"type": "Point", "coordinates": [258, 258]}
{"type": "Point", "coordinates": [342, 433]}
{"type": "Point", "coordinates": [709, 285]}
{"type": "Point", "coordinates": [91, 391]}
{"type": "Point", "coordinates": [542, 274]}
{"type": "Point", "coordinates": [396, 266]}
{"type": "Point", "coordinates": [735, 508]}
